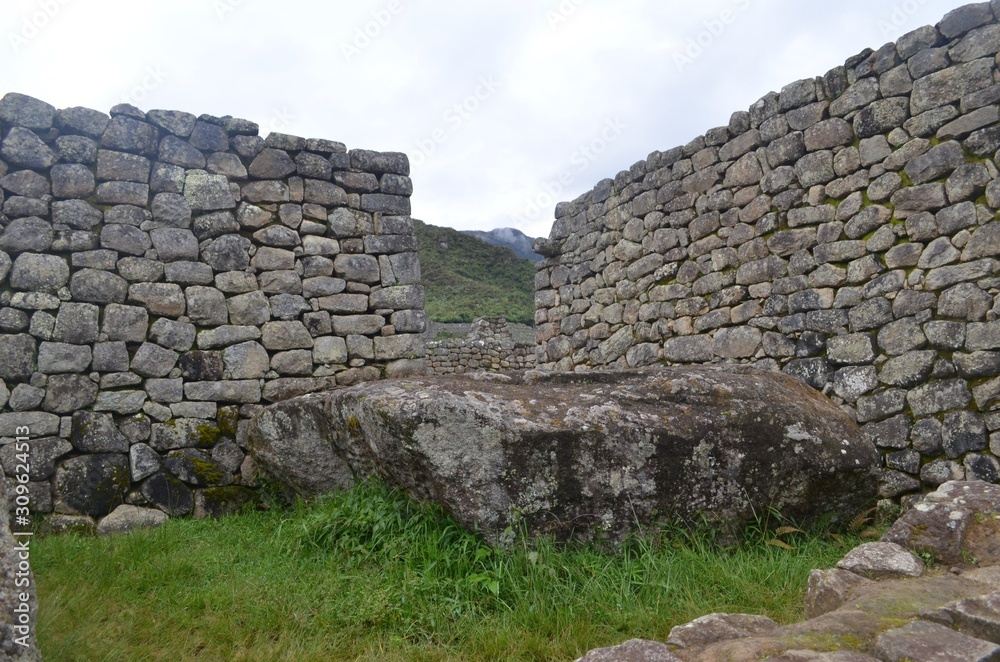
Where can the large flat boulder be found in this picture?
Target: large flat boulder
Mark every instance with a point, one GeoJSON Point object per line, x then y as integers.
{"type": "Point", "coordinates": [581, 455]}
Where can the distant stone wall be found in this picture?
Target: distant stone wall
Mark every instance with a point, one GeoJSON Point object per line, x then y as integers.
{"type": "Point", "coordinates": [489, 346]}
{"type": "Point", "coordinates": [843, 231]}
{"type": "Point", "coordinates": [163, 275]}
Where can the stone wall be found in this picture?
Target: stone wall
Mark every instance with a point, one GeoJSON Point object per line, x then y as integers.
{"type": "Point", "coordinates": [164, 275]}
{"type": "Point", "coordinates": [489, 346]}
{"type": "Point", "coordinates": [843, 230]}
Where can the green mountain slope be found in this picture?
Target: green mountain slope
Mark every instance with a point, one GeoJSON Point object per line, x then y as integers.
{"type": "Point", "coordinates": [467, 278]}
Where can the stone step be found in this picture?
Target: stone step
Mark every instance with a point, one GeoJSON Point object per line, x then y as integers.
{"type": "Point", "coordinates": [977, 617]}
{"type": "Point", "coordinates": [925, 641]}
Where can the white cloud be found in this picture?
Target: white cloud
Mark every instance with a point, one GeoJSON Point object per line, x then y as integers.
{"type": "Point", "coordinates": [284, 66]}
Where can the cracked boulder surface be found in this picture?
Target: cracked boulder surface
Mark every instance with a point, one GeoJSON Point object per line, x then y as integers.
{"type": "Point", "coordinates": [581, 455]}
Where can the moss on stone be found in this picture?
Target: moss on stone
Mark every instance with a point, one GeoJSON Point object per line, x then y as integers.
{"type": "Point", "coordinates": [229, 419]}
{"type": "Point", "coordinates": [205, 471]}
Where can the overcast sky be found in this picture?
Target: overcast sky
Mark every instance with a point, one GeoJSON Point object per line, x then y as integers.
{"type": "Point", "coordinates": [504, 106]}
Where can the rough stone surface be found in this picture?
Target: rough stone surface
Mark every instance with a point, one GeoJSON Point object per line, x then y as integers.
{"type": "Point", "coordinates": [882, 560]}
{"type": "Point", "coordinates": [127, 518]}
{"type": "Point", "coordinates": [945, 524]}
{"type": "Point", "coordinates": [369, 424]}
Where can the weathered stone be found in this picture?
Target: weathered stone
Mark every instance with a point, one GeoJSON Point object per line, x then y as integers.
{"type": "Point", "coordinates": [91, 484]}
{"type": "Point", "coordinates": [206, 306]}
{"type": "Point", "coordinates": [883, 115]}
{"type": "Point", "coordinates": [130, 135]}
{"type": "Point", "coordinates": [852, 349]}
{"type": "Point", "coordinates": [43, 454]}
{"type": "Point", "coordinates": [128, 323]}
{"type": "Point", "coordinates": [882, 560]}
{"type": "Point", "coordinates": [239, 391]}
{"type": "Point", "coordinates": [75, 214]}
{"type": "Point", "coordinates": [829, 589]}
{"type": "Point", "coordinates": [123, 193]}
{"type": "Point", "coordinates": [178, 336]}
{"type": "Point", "coordinates": [854, 381]}
{"type": "Point", "coordinates": [27, 234]}
{"type": "Point", "coordinates": [942, 87]}
{"type": "Point", "coordinates": [945, 524]}
{"type": "Point", "coordinates": [127, 518]}
{"type": "Point", "coordinates": [982, 336]}
{"type": "Point", "coordinates": [909, 369]}
{"type": "Point", "coordinates": [226, 335]}
{"type": "Point", "coordinates": [72, 181]}
{"type": "Point", "coordinates": [32, 272]}
{"type": "Point", "coordinates": [926, 197]}
{"type": "Point", "coordinates": [143, 462]}
{"type": "Point", "coordinates": [188, 273]}
{"type": "Point", "coordinates": [286, 335]}
{"type": "Point", "coordinates": [29, 112]}
{"type": "Point", "coordinates": [963, 431]}
{"type": "Point", "coordinates": [923, 640]}
{"type": "Point", "coordinates": [272, 164]}
{"type": "Point", "coordinates": [215, 224]}
{"type": "Point", "coordinates": [719, 627]}
{"type": "Point", "coordinates": [207, 192]}
{"type": "Point", "coordinates": [120, 402]}
{"type": "Point", "coordinates": [168, 494]}
{"type": "Point", "coordinates": [119, 166]}
{"type": "Point", "coordinates": [196, 467]}
{"type": "Point", "coordinates": [313, 432]}
{"type": "Point", "coordinates": [56, 357]}
{"type": "Point", "coordinates": [23, 148]}
{"type": "Point", "coordinates": [151, 360]}
{"type": "Point", "coordinates": [228, 253]}
{"type": "Point", "coordinates": [246, 360]}
{"type": "Point", "coordinates": [97, 433]}
{"type": "Point", "coordinates": [221, 501]}
{"type": "Point", "coordinates": [174, 244]}
{"type": "Point", "coordinates": [65, 394]}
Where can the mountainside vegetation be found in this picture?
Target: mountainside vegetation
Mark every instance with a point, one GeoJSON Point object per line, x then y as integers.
{"type": "Point", "coordinates": [466, 278]}
{"type": "Point", "coordinates": [513, 238]}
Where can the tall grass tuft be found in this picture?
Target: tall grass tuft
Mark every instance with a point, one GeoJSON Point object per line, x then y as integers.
{"type": "Point", "coordinates": [369, 574]}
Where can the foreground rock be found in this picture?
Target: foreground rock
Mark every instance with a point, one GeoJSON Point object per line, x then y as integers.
{"type": "Point", "coordinates": [18, 604]}
{"type": "Point", "coordinates": [958, 524]}
{"type": "Point", "coordinates": [941, 613]}
{"type": "Point", "coordinates": [581, 455]}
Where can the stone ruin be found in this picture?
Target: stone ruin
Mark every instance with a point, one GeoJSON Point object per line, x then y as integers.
{"type": "Point", "coordinates": [163, 276]}
{"type": "Point", "coordinates": [843, 231]}
{"type": "Point", "coordinates": [489, 345]}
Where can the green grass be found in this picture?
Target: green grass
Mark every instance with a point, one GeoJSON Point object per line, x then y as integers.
{"type": "Point", "coordinates": [466, 278]}
{"type": "Point", "coordinates": [370, 575]}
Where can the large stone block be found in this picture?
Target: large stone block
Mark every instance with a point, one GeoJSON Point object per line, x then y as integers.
{"type": "Point", "coordinates": [319, 443]}
{"type": "Point", "coordinates": [91, 484]}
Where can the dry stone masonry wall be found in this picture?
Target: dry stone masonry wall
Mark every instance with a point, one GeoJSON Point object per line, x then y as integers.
{"type": "Point", "coordinates": [489, 346]}
{"type": "Point", "coordinates": [163, 275]}
{"type": "Point", "coordinates": [843, 231]}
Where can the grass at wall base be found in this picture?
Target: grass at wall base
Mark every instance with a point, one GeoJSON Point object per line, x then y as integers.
{"type": "Point", "coordinates": [370, 575]}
